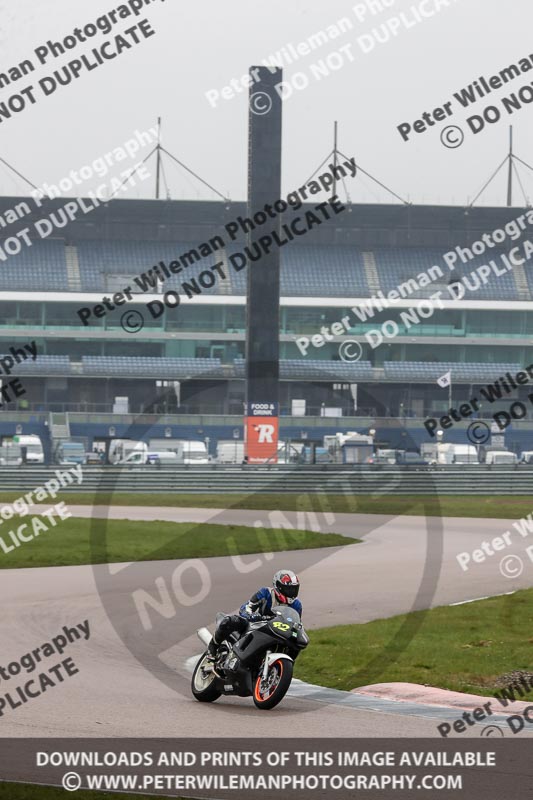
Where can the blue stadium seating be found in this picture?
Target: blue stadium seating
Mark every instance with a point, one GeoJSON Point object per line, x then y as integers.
{"type": "Point", "coordinates": [43, 365]}
{"type": "Point", "coordinates": [396, 266]}
{"type": "Point", "coordinates": [179, 368]}
{"type": "Point", "coordinates": [318, 271]}
{"type": "Point", "coordinates": [41, 267]}
{"type": "Point", "coordinates": [145, 367]}
{"type": "Point", "coordinates": [290, 369]}
{"type": "Point", "coordinates": [131, 258]}
{"type": "Point", "coordinates": [323, 272]}
{"type": "Point", "coordinates": [300, 369]}
{"type": "Point", "coordinates": [424, 371]}
{"type": "Point", "coordinates": [305, 271]}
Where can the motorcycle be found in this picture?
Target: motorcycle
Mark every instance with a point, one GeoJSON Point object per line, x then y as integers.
{"type": "Point", "coordinates": [259, 663]}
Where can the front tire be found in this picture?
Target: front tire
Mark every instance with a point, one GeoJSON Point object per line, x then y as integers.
{"type": "Point", "coordinates": [278, 680]}
{"type": "Point", "coordinates": [204, 683]}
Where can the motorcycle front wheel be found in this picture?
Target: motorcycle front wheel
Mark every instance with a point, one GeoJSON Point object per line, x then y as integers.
{"type": "Point", "coordinates": [269, 692]}
{"type": "Point", "coordinates": [204, 681]}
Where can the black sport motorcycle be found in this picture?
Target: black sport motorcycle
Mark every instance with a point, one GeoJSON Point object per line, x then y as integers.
{"type": "Point", "coordinates": [259, 663]}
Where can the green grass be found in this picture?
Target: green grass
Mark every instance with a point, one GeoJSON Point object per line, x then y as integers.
{"type": "Point", "coordinates": [493, 506]}
{"type": "Point", "coordinates": [463, 648]}
{"type": "Point", "coordinates": [87, 541]}
{"type": "Point", "coordinates": [27, 791]}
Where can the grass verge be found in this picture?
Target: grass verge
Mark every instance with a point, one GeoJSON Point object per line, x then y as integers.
{"type": "Point", "coordinates": [28, 791]}
{"type": "Point", "coordinates": [463, 648]}
{"type": "Point", "coordinates": [87, 541]}
{"type": "Point", "coordinates": [493, 506]}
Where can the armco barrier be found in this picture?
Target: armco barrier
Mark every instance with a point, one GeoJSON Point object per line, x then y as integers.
{"type": "Point", "coordinates": [331, 479]}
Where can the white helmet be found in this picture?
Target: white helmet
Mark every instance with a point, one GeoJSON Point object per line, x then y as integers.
{"type": "Point", "coordinates": [286, 586]}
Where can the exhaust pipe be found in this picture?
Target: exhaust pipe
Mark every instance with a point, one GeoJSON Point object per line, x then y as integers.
{"type": "Point", "coordinates": [204, 636]}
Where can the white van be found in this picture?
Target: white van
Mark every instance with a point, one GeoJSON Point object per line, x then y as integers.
{"type": "Point", "coordinates": [193, 452]}
{"type": "Point", "coordinates": [134, 457]}
{"type": "Point", "coordinates": [31, 447]}
{"type": "Point", "coordinates": [465, 454]}
{"type": "Point", "coordinates": [526, 457]}
{"type": "Point", "coordinates": [162, 445]}
{"type": "Point", "coordinates": [188, 452]}
{"type": "Point", "coordinates": [230, 451]}
{"type": "Point", "coordinates": [445, 453]}
{"type": "Point", "coordinates": [501, 457]}
{"type": "Point", "coordinates": [10, 454]}
{"type": "Point", "coordinates": [162, 457]}
{"type": "Point", "coordinates": [120, 451]}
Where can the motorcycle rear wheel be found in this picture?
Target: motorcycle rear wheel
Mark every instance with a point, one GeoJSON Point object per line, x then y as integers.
{"type": "Point", "coordinates": [204, 685]}
{"type": "Point", "coordinates": [278, 680]}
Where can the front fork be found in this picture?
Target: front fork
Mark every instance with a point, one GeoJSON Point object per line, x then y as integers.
{"type": "Point", "coordinates": [265, 668]}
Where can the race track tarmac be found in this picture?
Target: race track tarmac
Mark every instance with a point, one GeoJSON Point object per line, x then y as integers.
{"type": "Point", "coordinates": [122, 688]}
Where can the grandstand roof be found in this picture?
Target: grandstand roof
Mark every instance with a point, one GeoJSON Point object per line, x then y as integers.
{"type": "Point", "coordinates": [194, 221]}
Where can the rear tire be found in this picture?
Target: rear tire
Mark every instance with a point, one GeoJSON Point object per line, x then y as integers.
{"type": "Point", "coordinates": [204, 686]}
{"type": "Point", "coordinates": [279, 681]}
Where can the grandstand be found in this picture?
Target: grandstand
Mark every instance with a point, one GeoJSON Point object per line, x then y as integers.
{"type": "Point", "coordinates": [190, 360]}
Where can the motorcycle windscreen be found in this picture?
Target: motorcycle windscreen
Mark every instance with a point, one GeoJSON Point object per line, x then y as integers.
{"type": "Point", "coordinates": [289, 614]}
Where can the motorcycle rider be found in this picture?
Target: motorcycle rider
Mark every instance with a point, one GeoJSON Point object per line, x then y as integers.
{"type": "Point", "coordinates": [284, 591]}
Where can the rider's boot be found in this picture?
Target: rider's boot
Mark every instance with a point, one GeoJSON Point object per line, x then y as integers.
{"type": "Point", "coordinates": [212, 648]}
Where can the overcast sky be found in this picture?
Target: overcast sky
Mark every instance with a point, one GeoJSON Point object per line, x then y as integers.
{"type": "Point", "coordinates": [202, 45]}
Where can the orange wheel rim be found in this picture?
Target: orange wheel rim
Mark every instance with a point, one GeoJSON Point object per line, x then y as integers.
{"type": "Point", "coordinates": [257, 694]}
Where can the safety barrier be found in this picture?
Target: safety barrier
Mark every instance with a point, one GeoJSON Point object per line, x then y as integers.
{"type": "Point", "coordinates": [329, 479]}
